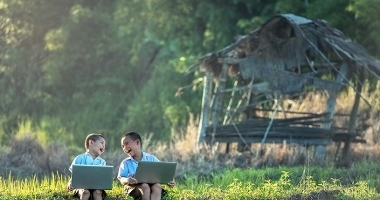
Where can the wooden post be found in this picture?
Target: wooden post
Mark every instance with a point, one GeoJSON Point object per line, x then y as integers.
{"type": "Point", "coordinates": [228, 114]}
{"type": "Point", "coordinates": [204, 119]}
{"type": "Point", "coordinates": [320, 151]}
{"type": "Point", "coordinates": [268, 128]}
{"type": "Point", "coordinates": [242, 146]}
{"type": "Point", "coordinates": [218, 100]}
{"type": "Point", "coordinates": [352, 122]}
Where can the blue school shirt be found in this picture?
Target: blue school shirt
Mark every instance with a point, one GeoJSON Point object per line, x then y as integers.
{"type": "Point", "coordinates": [86, 159]}
{"type": "Point", "coordinates": [129, 165]}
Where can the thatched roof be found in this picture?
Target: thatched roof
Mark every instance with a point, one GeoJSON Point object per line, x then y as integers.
{"type": "Point", "coordinates": [291, 52]}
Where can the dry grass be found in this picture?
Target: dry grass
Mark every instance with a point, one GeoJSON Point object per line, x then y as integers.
{"type": "Point", "coordinates": [26, 156]}
{"type": "Point", "coordinates": [26, 160]}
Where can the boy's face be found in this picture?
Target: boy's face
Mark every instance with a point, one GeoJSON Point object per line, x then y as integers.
{"type": "Point", "coordinates": [130, 147]}
{"type": "Point", "coordinates": [97, 147]}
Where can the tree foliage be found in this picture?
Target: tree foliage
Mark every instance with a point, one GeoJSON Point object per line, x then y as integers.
{"type": "Point", "coordinates": [113, 66]}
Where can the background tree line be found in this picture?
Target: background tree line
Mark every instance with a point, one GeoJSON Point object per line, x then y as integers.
{"type": "Point", "coordinates": [72, 67]}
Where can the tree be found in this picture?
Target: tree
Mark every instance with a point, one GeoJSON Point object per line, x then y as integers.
{"type": "Point", "coordinates": [367, 29]}
{"type": "Point", "coordinates": [22, 53]}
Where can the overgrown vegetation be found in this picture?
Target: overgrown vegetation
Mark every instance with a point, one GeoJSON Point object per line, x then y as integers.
{"type": "Point", "coordinates": [74, 67]}
{"type": "Point", "coordinates": [269, 183]}
{"type": "Point", "coordinates": [280, 172]}
{"type": "Point", "coordinates": [70, 67]}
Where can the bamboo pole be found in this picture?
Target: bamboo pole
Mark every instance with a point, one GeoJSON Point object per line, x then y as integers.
{"type": "Point", "coordinates": [204, 118]}
{"type": "Point", "coordinates": [242, 146]}
{"type": "Point", "coordinates": [218, 99]}
{"type": "Point", "coordinates": [268, 128]}
{"type": "Point", "coordinates": [320, 151]}
{"type": "Point", "coordinates": [352, 122]}
{"type": "Point", "coordinates": [230, 103]}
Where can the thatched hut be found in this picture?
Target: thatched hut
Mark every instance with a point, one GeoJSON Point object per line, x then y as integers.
{"type": "Point", "coordinates": [285, 56]}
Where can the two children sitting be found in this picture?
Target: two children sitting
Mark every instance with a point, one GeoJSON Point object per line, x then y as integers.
{"type": "Point", "coordinates": [131, 144]}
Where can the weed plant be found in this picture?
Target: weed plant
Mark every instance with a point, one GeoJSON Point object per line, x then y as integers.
{"type": "Point", "coordinates": [232, 184]}
{"type": "Point", "coordinates": [206, 172]}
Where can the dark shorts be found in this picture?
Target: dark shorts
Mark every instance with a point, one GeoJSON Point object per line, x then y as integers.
{"type": "Point", "coordinates": [129, 188]}
{"type": "Point", "coordinates": [76, 193]}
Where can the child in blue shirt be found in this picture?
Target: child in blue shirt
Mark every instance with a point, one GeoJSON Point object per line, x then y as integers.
{"type": "Point", "coordinates": [95, 145]}
{"type": "Point", "coordinates": [131, 143]}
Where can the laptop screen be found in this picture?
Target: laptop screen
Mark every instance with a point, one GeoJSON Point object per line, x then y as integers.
{"type": "Point", "coordinates": [92, 177]}
{"type": "Point", "coordinates": [155, 172]}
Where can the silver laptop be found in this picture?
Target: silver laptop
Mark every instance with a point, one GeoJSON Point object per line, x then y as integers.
{"type": "Point", "coordinates": [155, 172]}
{"type": "Point", "coordinates": [92, 177]}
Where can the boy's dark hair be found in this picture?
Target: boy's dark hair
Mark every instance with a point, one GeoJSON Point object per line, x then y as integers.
{"type": "Point", "coordinates": [92, 136]}
{"type": "Point", "coordinates": [134, 136]}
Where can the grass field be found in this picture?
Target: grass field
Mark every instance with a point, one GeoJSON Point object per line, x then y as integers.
{"type": "Point", "coordinates": [208, 172]}
{"type": "Point", "coordinates": [269, 183]}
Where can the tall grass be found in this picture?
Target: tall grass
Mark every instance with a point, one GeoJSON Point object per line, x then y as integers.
{"type": "Point", "coordinates": [207, 172]}
{"type": "Point", "coordinates": [232, 184]}
{"type": "Point", "coordinates": [32, 187]}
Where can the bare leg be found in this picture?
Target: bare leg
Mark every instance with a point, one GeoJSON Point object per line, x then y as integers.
{"type": "Point", "coordinates": [84, 194]}
{"type": "Point", "coordinates": [97, 194]}
{"type": "Point", "coordinates": [156, 192]}
{"type": "Point", "coordinates": [142, 190]}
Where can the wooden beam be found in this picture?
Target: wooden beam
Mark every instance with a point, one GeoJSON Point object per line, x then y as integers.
{"type": "Point", "coordinates": [320, 151]}
{"type": "Point", "coordinates": [230, 61]}
{"type": "Point", "coordinates": [259, 88]}
{"type": "Point", "coordinates": [218, 98]}
{"type": "Point", "coordinates": [204, 118]}
{"type": "Point", "coordinates": [352, 121]}
{"type": "Point", "coordinates": [278, 140]}
{"type": "Point", "coordinates": [226, 116]}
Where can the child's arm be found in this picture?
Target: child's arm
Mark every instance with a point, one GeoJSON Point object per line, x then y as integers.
{"type": "Point", "coordinates": [171, 183]}
{"type": "Point", "coordinates": [124, 176]}
{"type": "Point", "coordinates": [128, 180]}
